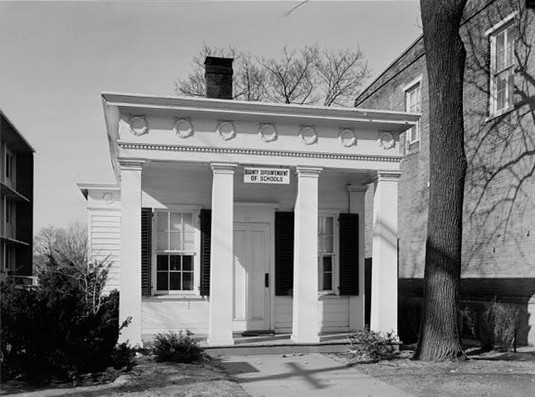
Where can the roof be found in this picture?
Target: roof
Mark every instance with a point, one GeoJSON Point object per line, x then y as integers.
{"type": "Point", "coordinates": [16, 141]}
{"type": "Point", "coordinates": [257, 110]}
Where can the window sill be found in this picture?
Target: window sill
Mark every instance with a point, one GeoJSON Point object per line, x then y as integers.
{"type": "Point", "coordinates": [502, 112]}
{"type": "Point", "coordinates": [177, 296]}
{"type": "Point", "coordinates": [327, 295]}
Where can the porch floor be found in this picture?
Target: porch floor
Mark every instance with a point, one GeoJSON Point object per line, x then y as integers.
{"type": "Point", "coordinates": [278, 344]}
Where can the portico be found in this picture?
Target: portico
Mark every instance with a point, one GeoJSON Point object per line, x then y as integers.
{"type": "Point", "coordinates": [207, 248]}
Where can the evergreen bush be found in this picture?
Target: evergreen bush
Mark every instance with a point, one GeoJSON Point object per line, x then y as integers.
{"type": "Point", "coordinates": [176, 347]}
{"type": "Point", "coordinates": [62, 328]}
{"type": "Point", "coordinates": [372, 345]}
{"type": "Point", "coordinates": [499, 325]}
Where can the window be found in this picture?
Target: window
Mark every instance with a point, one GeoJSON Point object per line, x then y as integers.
{"type": "Point", "coordinates": [9, 264]}
{"type": "Point", "coordinates": [326, 253]}
{"type": "Point", "coordinates": [413, 102]}
{"type": "Point", "coordinates": [9, 167]}
{"type": "Point", "coordinates": [502, 43]}
{"type": "Point", "coordinates": [175, 251]}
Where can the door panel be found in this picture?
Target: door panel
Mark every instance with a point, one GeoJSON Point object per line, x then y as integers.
{"type": "Point", "coordinates": [251, 263]}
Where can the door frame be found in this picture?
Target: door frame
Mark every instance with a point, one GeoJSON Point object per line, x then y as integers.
{"type": "Point", "coordinates": [262, 212]}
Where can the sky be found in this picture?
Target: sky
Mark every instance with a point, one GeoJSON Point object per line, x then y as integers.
{"type": "Point", "coordinates": [56, 58]}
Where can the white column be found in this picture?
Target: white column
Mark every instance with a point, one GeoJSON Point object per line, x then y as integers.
{"type": "Point", "coordinates": [305, 291]}
{"type": "Point", "coordinates": [384, 304]}
{"type": "Point", "coordinates": [130, 276]}
{"type": "Point", "coordinates": [222, 255]}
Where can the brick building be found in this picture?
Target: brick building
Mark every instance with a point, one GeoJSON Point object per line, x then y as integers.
{"type": "Point", "coordinates": [16, 209]}
{"type": "Point", "coordinates": [499, 102]}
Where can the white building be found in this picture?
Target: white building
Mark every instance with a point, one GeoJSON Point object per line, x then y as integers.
{"type": "Point", "coordinates": [232, 216]}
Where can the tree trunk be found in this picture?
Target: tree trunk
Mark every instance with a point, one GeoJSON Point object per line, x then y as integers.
{"type": "Point", "coordinates": [445, 56]}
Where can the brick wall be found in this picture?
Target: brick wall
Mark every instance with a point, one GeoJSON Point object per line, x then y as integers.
{"type": "Point", "coordinates": [499, 216]}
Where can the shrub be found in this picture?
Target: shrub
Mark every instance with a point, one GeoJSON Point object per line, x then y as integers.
{"type": "Point", "coordinates": [372, 345]}
{"type": "Point", "coordinates": [176, 347]}
{"type": "Point", "coordinates": [123, 357]}
{"type": "Point", "coordinates": [499, 324]}
{"type": "Point", "coordinates": [62, 328]}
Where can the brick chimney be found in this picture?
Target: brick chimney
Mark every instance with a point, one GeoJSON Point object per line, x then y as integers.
{"type": "Point", "coordinates": [218, 74]}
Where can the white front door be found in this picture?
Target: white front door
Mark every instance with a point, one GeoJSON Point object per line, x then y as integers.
{"type": "Point", "coordinates": [252, 279]}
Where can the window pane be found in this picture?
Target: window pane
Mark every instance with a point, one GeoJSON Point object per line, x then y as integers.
{"type": "Point", "coordinates": [327, 264]}
{"type": "Point", "coordinates": [188, 223]}
{"type": "Point", "coordinates": [162, 241]}
{"type": "Point", "coordinates": [500, 50]}
{"type": "Point", "coordinates": [187, 262]}
{"type": "Point", "coordinates": [162, 262]}
{"type": "Point", "coordinates": [509, 52]}
{"type": "Point", "coordinates": [414, 134]}
{"type": "Point", "coordinates": [175, 281]}
{"type": "Point", "coordinates": [176, 241]}
{"type": "Point", "coordinates": [187, 281]}
{"type": "Point", "coordinates": [327, 282]}
{"type": "Point", "coordinates": [510, 88]}
{"type": "Point", "coordinates": [162, 280]}
{"type": "Point", "coordinates": [189, 242]}
{"type": "Point", "coordinates": [176, 221]}
{"type": "Point", "coordinates": [329, 225]}
{"type": "Point", "coordinates": [323, 244]}
{"type": "Point", "coordinates": [174, 262]}
{"type": "Point", "coordinates": [162, 221]}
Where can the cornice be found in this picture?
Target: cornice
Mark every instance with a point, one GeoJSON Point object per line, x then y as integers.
{"type": "Point", "coordinates": [308, 171]}
{"type": "Point", "coordinates": [261, 152]}
{"type": "Point", "coordinates": [131, 164]}
{"type": "Point", "coordinates": [223, 168]}
{"type": "Point", "coordinates": [388, 175]}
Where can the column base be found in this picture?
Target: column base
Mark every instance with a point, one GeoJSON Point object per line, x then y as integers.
{"type": "Point", "coordinates": [305, 339]}
{"type": "Point", "coordinates": [221, 341]}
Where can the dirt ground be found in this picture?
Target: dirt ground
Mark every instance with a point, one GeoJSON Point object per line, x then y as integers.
{"type": "Point", "coordinates": [147, 379]}
{"type": "Point", "coordinates": [483, 374]}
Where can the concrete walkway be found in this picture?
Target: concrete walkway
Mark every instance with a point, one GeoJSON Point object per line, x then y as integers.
{"type": "Point", "coordinates": [305, 375]}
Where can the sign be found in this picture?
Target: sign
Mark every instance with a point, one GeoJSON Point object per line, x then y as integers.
{"type": "Point", "coordinates": [278, 176]}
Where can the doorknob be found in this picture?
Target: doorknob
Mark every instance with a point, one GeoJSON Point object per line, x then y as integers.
{"type": "Point", "coordinates": [266, 280]}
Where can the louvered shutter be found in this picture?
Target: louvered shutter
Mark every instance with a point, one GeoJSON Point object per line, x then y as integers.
{"type": "Point", "coordinates": [206, 232]}
{"type": "Point", "coordinates": [146, 251]}
{"type": "Point", "coordinates": [284, 253]}
{"type": "Point", "coordinates": [349, 254]}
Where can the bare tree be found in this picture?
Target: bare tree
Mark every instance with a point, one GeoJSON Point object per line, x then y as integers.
{"type": "Point", "coordinates": [306, 76]}
{"type": "Point", "coordinates": [342, 73]}
{"type": "Point", "coordinates": [61, 244]}
{"type": "Point", "coordinates": [291, 79]}
{"type": "Point", "coordinates": [445, 57]}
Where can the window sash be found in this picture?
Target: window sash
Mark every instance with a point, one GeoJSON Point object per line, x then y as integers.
{"type": "Point", "coordinates": [174, 272]}
{"type": "Point", "coordinates": [175, 242]}
{"type": "Point", "coordinates": [502, 65]}
{"type": "Point", "coordinates": [413, 105]}
{"type": "Point", "coordinates": [326, 253]}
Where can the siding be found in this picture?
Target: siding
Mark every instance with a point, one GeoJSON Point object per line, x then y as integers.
{"type": "Point", "coordinates": [105, 241]}
{"type": "Point", "coordinates": [333, 314]}
{"type": "Point", "coordinates": [164, 314]}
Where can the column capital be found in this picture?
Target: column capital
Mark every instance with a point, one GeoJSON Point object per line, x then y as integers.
{"type": "Point", "coordinates": [310, 172]}
{"type": "Point", "coordinates": [391, 176]}
{"type": "Point", "coordinates": [131, 164]}
{"type": "Point", "coordinates": [356, 188]}
{"type": "Point", "coordinates": [223, 168]}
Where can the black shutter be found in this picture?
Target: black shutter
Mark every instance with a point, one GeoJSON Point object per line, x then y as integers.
{"type": "Point", "coordinates": [146, 251]}
{"type": "Point", "coordinates": [349, 254]}
{"type": "Point", "coordinates": [284, 253]}
{"type": "Point", "coordinates": [206, 232]}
